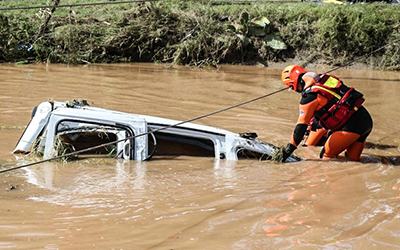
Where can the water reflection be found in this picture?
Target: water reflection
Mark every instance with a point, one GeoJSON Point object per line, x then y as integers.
{"type": "Point", "coordinates": [58, 176]}
{"type": "Point", "coordinates": [113, 175]}
{"type": "Point", "coordinates": [333, 205]}
{"type": "Point", "coordinates": [42, 175]}
{"type": "Point", "coordinates": [124, 177]}
{"type": "Point", "coordinates": [224, 172]}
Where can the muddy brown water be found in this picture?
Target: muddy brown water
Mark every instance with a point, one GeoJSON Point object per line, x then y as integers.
{"type": "Point", "coordinates": [190, 202]}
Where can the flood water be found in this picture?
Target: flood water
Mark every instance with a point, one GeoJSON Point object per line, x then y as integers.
{"type": "Point", "coordinates": [190, 202]}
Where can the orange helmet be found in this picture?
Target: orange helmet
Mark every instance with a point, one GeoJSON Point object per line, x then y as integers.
{"type": "Point", "coordinates": [291, 74]}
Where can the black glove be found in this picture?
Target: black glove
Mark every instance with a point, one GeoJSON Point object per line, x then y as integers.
{"type": "Point", "coordinates": [281, 154]}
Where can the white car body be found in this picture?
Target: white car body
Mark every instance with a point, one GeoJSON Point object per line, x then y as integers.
{"type": "Point", "coordinates": [132, 136]}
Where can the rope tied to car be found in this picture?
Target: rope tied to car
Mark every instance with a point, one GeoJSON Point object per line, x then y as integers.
{"type": "Point", "coordinates": [146, 133]}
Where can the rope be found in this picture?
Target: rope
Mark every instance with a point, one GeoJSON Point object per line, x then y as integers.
{"type": "Point", "coordinates": [74, 5]}
{"type": "Point", "coordinates": [44, 25]}
{"type": "Point", "coordinates": [364, 56]}
{"type": "Point", "coordinates": [153, 131]}
{"type": "Point", "coordinates": [41, 29]}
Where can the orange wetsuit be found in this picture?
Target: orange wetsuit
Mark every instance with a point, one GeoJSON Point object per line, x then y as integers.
{"type": "Point", "coordinates": [350, 137]}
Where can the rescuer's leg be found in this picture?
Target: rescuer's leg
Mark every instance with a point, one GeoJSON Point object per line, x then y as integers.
{"type": "Point", "coordinates": [338, 142]}
{"type": "Point", "coordinates": [355, 150]}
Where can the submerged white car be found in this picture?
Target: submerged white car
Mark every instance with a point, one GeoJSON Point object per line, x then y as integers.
{"type": "Point", "coordinates": [57, 128]}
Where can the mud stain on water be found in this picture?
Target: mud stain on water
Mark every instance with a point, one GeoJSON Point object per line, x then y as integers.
{"type": "Point", "coordinates": [197, 203]}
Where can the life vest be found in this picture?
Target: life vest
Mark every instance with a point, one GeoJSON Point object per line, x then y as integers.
{"type": "Point", "coordinates": [342, 103]}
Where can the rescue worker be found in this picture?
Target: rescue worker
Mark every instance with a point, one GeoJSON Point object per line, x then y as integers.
{"type": "Point", "coordinates": [333, 109]}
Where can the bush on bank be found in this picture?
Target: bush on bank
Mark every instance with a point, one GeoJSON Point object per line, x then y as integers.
{"type": "Point", "coordinates": [197, 33]}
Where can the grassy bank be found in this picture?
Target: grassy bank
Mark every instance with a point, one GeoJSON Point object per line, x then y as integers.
{"type": "Point", "coordinates": [203, 33]}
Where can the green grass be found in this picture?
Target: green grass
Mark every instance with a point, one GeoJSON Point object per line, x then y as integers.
{"type": "Point", "coordinates": [197, 33]}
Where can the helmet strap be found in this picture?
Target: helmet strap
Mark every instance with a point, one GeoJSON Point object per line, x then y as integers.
{"type": "Point", "coordinates": [300, 82]}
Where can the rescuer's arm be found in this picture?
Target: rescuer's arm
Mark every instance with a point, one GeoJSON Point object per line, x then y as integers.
{"type": "Point", "coordinates": [307, 107]}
